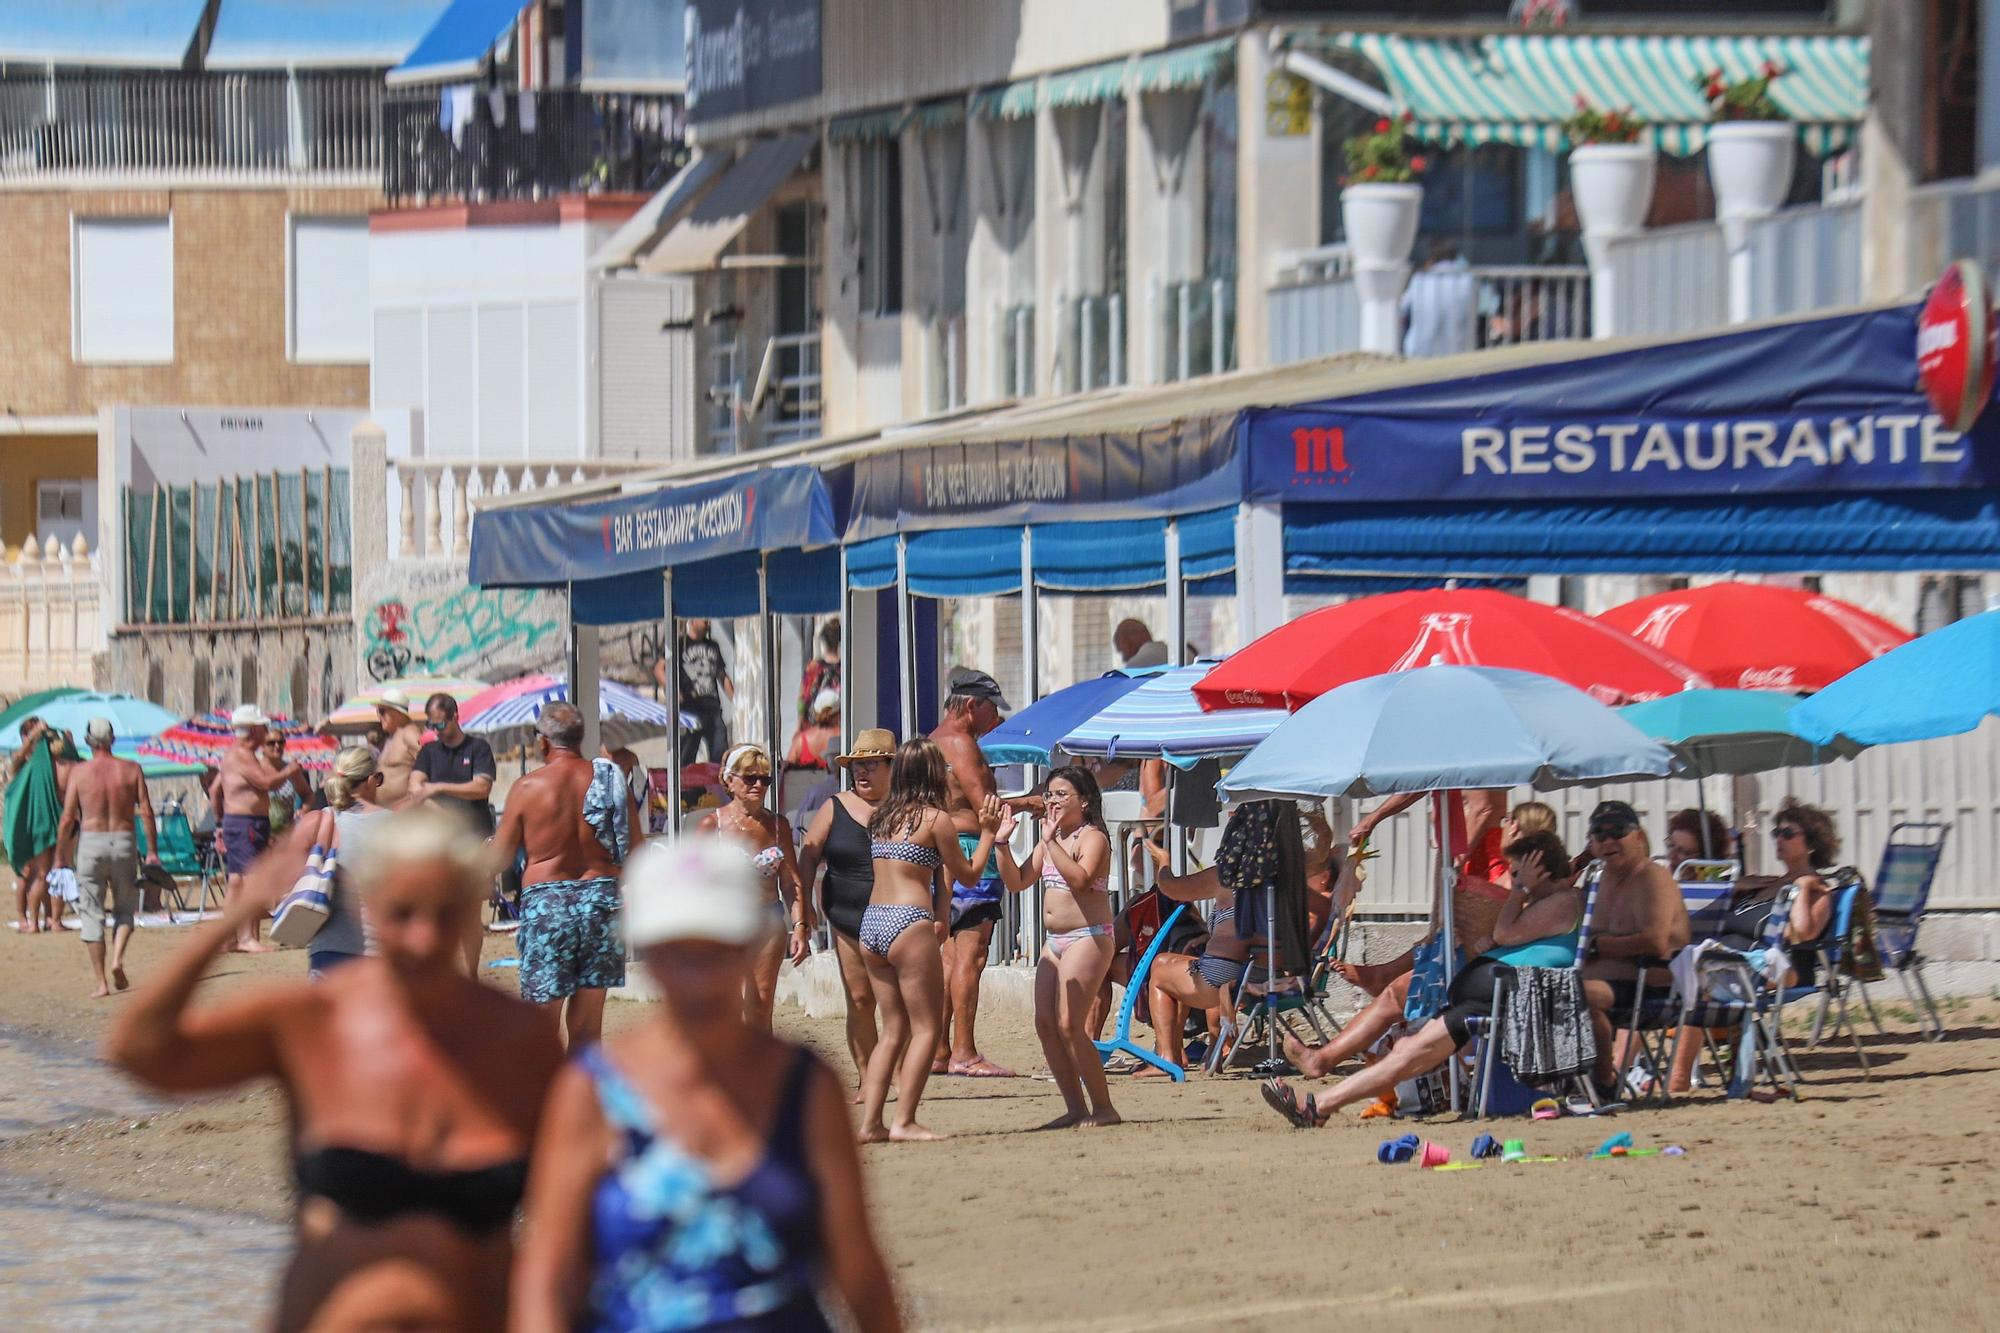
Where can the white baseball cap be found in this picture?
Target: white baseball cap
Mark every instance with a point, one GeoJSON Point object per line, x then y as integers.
{"type": "Point", "coordinates": [394, 697]}
{"type": "Point", "coordinates": [697, 888]}
{"type": "Point", "coordinates": [247, 716]}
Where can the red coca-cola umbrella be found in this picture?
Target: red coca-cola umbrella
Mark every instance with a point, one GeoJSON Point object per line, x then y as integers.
{"type": "Point", "coordinates": [1457, 626]}
{"type": "Point", "coordinates": [1757, 636]}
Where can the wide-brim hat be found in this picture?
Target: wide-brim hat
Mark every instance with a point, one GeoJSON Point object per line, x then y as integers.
{"type": "Point", "coordinates": [247, 716]}
{"type": "Point", "coordinates": [874, 743]}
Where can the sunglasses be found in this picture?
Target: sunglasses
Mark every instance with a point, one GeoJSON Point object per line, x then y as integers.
{"type": "Point", "coordinates": [1610, 832]}
{"type": "Point", "coordinates": [754, 779]}
{"type": "Point", "coordinates": [1784, 831]}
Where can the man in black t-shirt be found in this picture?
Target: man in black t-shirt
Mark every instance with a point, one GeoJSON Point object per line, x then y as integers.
{"type": "Point", "coordinates": [704, 687]}
{"type": "Point", "coordinates": [456, 770]}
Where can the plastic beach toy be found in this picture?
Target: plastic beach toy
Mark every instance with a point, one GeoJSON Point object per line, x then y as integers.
{"type": "Point", "coordinates": [1392, 1151]}
{"type": "Point", "coordinates": [1433, 1154]}
{"type": "Point", "coordinates": [1618, 1145]}
{"type": "Point", "coordinates": [1545, 1109]}
{"type": "Point", "coordinates": [1485, 1146]}
{"type": "Point", "coordinates": [1513, 1150]}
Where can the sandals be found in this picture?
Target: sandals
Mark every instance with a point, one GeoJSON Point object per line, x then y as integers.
{"type": "Point", "coordinates": [1283, 1099]}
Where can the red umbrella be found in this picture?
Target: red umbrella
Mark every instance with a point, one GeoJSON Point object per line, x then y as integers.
{"type": "Point", "coordinates": [1458, 626]}
{"type": "Point", "coordinates": [1756, 636]}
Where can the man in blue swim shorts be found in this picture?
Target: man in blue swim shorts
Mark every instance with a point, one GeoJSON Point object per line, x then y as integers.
{"type": "Point", "coordinates": [973, 707]}
{"type": "Point", "coordinates": [570, 947]}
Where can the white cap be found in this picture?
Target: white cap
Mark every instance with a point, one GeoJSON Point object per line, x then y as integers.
{"type": "Point", "coordinates": [100, 729]}
{"type": "Point", "coordinates": [698, 888]}
{"type": "Point", "coordinates": [393, 697]}
{"type": "Point", "coordinates": [247, 716]}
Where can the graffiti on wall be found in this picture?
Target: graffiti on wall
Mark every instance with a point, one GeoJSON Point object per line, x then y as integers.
{"type": "Point", "coordinates": [469, 632]}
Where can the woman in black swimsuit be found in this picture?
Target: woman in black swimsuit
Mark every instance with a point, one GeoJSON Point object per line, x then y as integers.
{"type": "Point", "coordinates": [837, 839]}
{"type": "Point", "coordinates": [413, 1091]}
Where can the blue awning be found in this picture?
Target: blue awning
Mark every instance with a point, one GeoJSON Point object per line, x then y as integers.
{"type": "Point", "coordinates": [348, 34]}
{"type": "Point", "coordinates": [134, 34]}
{"type": "Point", "coordinates": [1902, 530]}
{"type": "Point", "coordinates": [457, 44]}
{"type": "Point", "coordinates": [803, 583]}
{"type": "Point", "coordinates": [1118, 555]}
{"type": "Point", "coordinates": [557, 545]}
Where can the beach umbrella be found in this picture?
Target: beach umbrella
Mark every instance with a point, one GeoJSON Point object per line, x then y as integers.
{"type": "Point", "coordinates": [1161, 719]}
{"type": "Point", "coordinates": [205, 738]}
{"type": "Point", "coordinates": [1758, 636]}
{"type": "Point", "coordinates": [132, 719]}
{"type": "Point", "coordinates": [1030, 735]}
{"type": "Point", "coordinates": [1335, 645]}
{"type": "Point", "coordinates": [1942, 684]}
{"type": "Point", "coordinates": [357, 712]}
{"type": "Point", "coordinates": [27, 704]}
{"type": "Point", "coordinates": [1732, 731]}
{"type": "Point", "coordinates": [153, 766]}
{"type": "Point", "coordinates": [625, 714]}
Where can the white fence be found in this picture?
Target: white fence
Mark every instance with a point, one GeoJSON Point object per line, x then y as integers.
{"type": "Point", "coordinates": [1805, 259]}
{"type": "Point", "coordinates": [1953, 220]}
{"type": "Point", "coordinates": [1955, 780]}
{"type": "Point", "coordinates": [49, 617]}
{"type": "Point", "coordinates": [1193, 328]}
{"type": "Point", "coordinates": [431, 488]}
{"type": "Point", "coordinates": [1669, 280]}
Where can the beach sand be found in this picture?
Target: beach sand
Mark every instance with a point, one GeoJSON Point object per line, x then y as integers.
{"type": "Point", "coordinates": [1868, 1203]}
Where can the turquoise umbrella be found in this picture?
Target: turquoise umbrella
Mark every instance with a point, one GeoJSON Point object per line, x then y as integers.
{"type": "Point", "coordinates": [1732, 731]}
{"type": "Point", "coordinates": [132, 719]}
{"type": "Point", "coordinates": [1942, 684]}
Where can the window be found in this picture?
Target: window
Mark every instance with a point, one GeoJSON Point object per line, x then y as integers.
{"type": "Point", "coordinates": [327, 299]}
{"type": "Point", "coordinates": [65, 508]}
{"type": "Point", "coordinates": [881, 181]}
{"type": "Point", "coordinates": [122, 290]}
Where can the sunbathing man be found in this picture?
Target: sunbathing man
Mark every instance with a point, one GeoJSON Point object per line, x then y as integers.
{"type": "Point", "coordinates": [1641, 922]}
{"type": "Point", "coordinates": [246, 782]}
{"type": "Point", "coordinates": [97, 841]}
{"type": "Point", "coordinates": [1538, 927]}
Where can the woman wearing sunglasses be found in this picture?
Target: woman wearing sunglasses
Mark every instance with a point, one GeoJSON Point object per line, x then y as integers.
{"type": "Point", "coordinates": [1805, 842]}
{"type": "Point", "coordinates": [766, 837]}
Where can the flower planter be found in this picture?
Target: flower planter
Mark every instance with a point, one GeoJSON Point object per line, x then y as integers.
{"type": "Point", "coordinates": [1381, 222]}
{"type": "Point", "coordinates": [1750, 166]}
{"type": "Point", "coordinates": [1612, 184]}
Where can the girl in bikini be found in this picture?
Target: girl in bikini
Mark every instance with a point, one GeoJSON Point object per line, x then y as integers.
{"type": "Point", "coordinates": [911, 839]}
{"type": "Point", "coordinates": [766, 837]}
{"type": "Point", "coordinates": [1072, 864]}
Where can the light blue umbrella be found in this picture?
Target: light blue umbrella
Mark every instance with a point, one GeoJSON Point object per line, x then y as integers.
{"type": "Point", "coordinates": [1029, 735]}
{"type": "Point", "coordinates": [132, 719]}
{"type": "Point", "coordinates": [1732, 731]}
{"type": "Point", "coordinates": [1162, 720]}
{"type": "Point", "coordinates": [1942, 684]}
{"type": "Point", "coordinates": [1445, 728]}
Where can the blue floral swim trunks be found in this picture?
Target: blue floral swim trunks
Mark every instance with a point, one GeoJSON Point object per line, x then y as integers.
{"type": "Point", "coordinates": [569, 939]}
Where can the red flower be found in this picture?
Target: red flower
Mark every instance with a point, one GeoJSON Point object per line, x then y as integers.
{"type": "Point", "coordinates": [1368, 173]}
{"type": "Point", "coordinates": [1409, 117]}
{"type": "Point", "coordinates": [1381, 127]}
{"type": "Point", "coordinates": [1582, 102]}
{"type": "Point", "coordinates": [1419, 164]}
{"type": "Point", "coordinates": [1771, 70]}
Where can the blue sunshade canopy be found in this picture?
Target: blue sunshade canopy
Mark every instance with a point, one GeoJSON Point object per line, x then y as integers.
{"type": "Point", "coordinates": [1731, 731]}
{"type": "Point", "coordinates": [1445, 728]}
{"type": "Point", "coordinates": [347, 34]}
{"type": "Point", "coordinates": [457, 44]}
{"type": "Point", "coordinates": [1942, 684]}
{"type": "Point", "coordinates": [1162, 720]}
{"type": "Point", "coordinates": [1030, 735]}
{"type": "Point", "coordinates": [133, 34]}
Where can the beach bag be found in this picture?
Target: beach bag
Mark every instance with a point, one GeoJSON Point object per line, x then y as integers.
{"type": "Point", "coordinates": [301, 912]}
{"type": "Point", "coordinates": [62, 884]}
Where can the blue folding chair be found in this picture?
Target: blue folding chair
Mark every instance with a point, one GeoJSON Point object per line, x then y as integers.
{"type": "Point", "coordinates": [1121, 1036]}
{"type": "Point", "coordinates": [1902, 890]}
{"type": "Point", "coordinates": [1706, 890]}
{"type": "Point", "coordinates": [1485, 1030]}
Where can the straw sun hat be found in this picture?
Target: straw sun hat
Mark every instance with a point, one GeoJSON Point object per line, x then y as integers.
{"type": "Point", "coordinates": [874, 743]}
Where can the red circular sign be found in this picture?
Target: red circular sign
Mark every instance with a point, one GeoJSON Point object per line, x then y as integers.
{"type": "Point", "coordinates": [1955, 346]}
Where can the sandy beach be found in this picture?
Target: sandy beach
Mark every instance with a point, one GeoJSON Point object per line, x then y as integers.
{"type": "Point", "coordinates": [1867, 1204]}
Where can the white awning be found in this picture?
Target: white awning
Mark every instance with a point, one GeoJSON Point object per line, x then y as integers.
{"type": "Point", "coordinates": [659, 211]}
{"type": "Point", "coordinates": [696, 243]}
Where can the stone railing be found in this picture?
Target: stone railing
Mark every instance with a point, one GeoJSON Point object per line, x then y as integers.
{"type": "Point", "coordinates": [430, 488]}
{"type": "Point", "coordinates": [50, 625]}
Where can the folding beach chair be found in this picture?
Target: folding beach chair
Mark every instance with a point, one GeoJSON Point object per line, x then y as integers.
{"type": "Point", "coordinates": [182, 859]}
{"type": "Point", "coordinates": [1121, 1036]}
{"type": "Point", "coordinates": [1485, 1030]}
{"type": "Point", "coordinates": [1284, 1000]}
{"type": "Point", "coordinates": [1707, 888]}
{"type": "Point", "coordinates": [1902, 889]}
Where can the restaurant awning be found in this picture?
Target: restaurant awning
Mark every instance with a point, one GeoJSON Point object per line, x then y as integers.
{"type": "Point", "coordinates": [132, 34]}
{"type": "Point", "coordinates": [697, 241]}
{"type": "Point", "coordinates": [1520, 89]}
{"type": "Point", "coordinates": [666, 205]}
{"type": "Point", "coordinates": [456, 46]}
{"type": "Point", "coordinates": [304, 34]}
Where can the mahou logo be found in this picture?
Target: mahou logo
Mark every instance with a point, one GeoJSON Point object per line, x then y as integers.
{"type": "Point", "coordinates": [1319, 456]}
{"type": "Point", "coordinates": [1768, 678]}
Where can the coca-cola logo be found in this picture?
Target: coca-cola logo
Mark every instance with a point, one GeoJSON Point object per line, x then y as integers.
{"type": "Point", "coordinates": [1768, 678]}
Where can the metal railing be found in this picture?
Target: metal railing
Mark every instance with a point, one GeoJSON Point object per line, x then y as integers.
{"type": "Point", "coordinates": [117, 126]}
{"type": "Point", "coordinates": [1315, 310]}
{"type": "Point", "coordinates": [1014, 350]}
{"type": "Point", "coordinates": [1528, 304]}
{"type": "Point", "coordinates": [1194, 328]}
{"type": "Point", "coordinates": [1805, 259]}
{"type": "Point", "coordinates": [1092, 350]}
{"type": "Point", "coordinates": [1952, 220]}
{"type": "Point", "coordinates": [725, 395]}
{"type": "Point", "coordinates": [1669, 280]}
{"type": "Point", "coordinates": [944, 363]}
{"type": "Point", "coordinates": [794, 395]}
{"type": "Point", "coordinates": [789, 374]}
{"type": "Point", "coordinates": [475, 145]}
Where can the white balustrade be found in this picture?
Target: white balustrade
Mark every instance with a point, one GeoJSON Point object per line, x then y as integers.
{"type": "Point", "coordinates": [431, 487]}
{"type": "Point", "coordinates": [49, 617]}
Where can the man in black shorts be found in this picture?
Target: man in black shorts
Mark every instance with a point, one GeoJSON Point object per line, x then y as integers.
{"type": "Point", "coordinates": [973, 708]}
{"type": "Point", "coordinates": [1640, 923]}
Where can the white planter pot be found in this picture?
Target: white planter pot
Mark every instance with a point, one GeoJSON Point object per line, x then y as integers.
{"type": "Point", "coordinates": [1612, 184]}
{"type": "Point", "coordinates": [1381, 222]}
{"type": "Point", "coordinates": [1750, 166]}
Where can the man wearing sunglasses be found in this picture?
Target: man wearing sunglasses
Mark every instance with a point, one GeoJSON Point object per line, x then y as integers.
{"type": "Point", "coordinates": [1639, 924]}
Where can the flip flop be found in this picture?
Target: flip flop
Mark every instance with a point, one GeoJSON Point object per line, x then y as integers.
{"type": "Point", "coordinates": [1393, 1151]}
{"type": "Point", "coordinates": [1545, 1109]}
{"type": "Point", "coordinates": [1582, 1106]}
{"type": "Point", "coordinates": [981, 1068]}
{"type": "Point", "coordinates": [1281, 1098]}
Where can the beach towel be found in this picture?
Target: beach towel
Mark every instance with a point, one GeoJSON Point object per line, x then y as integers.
{"type": "Point", "coordinates": [33, 809]}
{"type": "Point", "coordinates": [1545, 1028]}
{"type": "Point", "coordinates": [607, 808]}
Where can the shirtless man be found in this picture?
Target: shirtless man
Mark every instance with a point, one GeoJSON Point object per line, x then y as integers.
{"type": "Point", "coordinates": [402, 736]}
{"type": "Point", "coordinates": [569, 942]}
{"type": "Point", "coordinates": [1640, 923]}
{"type": "Point", "coordinates": [96, 840]}
{"type": "Point", "coordinates": [247, 781]}
{"type": "Point", "coordinates": [973, 708]}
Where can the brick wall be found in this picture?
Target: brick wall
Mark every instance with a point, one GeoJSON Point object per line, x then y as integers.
{"type": "Point", "coordinates": [229, 303]}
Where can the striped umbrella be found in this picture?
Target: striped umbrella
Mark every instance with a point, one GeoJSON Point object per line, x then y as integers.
{"type": "Point", "coordinates": [357, 712]}
{"type": "Point", "coordinates": [625, 714]}
{"type": "Point", "coordinates": [205, 739]}
{"type": "Point", "coordinates": [1162, 719]}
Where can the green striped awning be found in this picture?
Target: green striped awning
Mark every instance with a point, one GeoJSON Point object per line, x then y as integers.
{"type": "Point", "coordinates": [945, 114]}
{"type": "Point", "coordinates": [1011, 102]}
{"type": "Point", "coordinates": [1082, 87]}
{"type": "Point", "coordinates": [867, 126]}
{"type": "Point", "coordinates": [1519, 90]}
{"type": "Point", "coordinates": [1182, 67]}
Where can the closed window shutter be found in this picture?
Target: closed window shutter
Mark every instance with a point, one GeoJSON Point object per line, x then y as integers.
{"type": "Point", "coordinates": [647, 370]}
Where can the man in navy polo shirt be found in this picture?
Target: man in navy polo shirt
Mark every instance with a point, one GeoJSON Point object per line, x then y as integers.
{"type": "Point", "coordinates": [456, 770]}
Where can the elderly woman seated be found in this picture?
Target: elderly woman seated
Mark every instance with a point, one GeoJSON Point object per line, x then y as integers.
{"type": "Point", "coordinates": [1537, 927]}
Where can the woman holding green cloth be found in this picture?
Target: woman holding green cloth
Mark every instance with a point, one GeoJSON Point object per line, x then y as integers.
{"type": "Point", "coordinates": [33, 814]}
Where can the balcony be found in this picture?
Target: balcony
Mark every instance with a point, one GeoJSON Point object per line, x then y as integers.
{"type": "Point", "coordinates": [1193, 328]}
{"type": "Point", "coordinates": [143, 126]}
{"type": "Point", "coordinates": [782, 404]}
{"type": "Point", "coordinates": [470, 145]}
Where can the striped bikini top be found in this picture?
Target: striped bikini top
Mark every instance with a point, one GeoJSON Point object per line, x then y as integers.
{"type": "Point", "coordinates": [1052, 878]}
{"type": "Point", "coordinates": [909, 853]}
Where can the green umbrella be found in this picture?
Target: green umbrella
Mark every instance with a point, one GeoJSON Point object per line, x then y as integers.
{"type": "Point", "coordinates": [1732, 731]}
